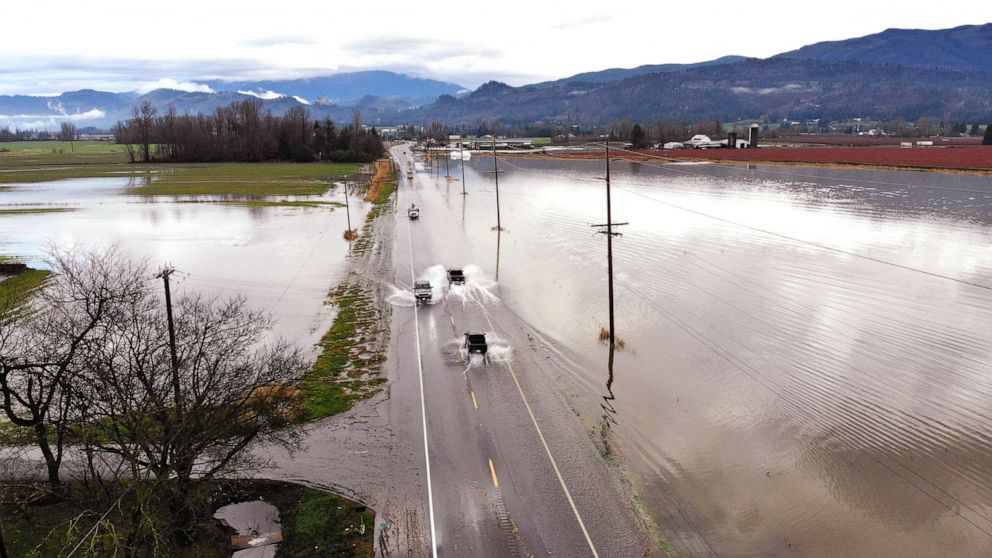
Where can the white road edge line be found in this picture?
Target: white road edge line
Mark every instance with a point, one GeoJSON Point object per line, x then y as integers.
{"type": "Point", "coordinates": [423, 404]}
{"type": "Point", "coordinates": [547, 449]}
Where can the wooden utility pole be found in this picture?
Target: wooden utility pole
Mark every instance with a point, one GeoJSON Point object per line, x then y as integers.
{"type": "Point", "coordinates": [499, 226]}
{"type": "Point", "coordinates": [461, 149]}
{"type": "Point", "coordinates": [609, 241]}
{"type": "Point", "coordinates": [347, 206]}
{"type": "Point", "coordinates": [164, 275]}
{"type": "Point", "coordinates": [609, 244]}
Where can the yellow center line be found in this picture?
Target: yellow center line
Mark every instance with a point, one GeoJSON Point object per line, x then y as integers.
{"type": "Point", "coordinates": [474, 402]}
{"type": "Point", "coordinates": [492, 469]}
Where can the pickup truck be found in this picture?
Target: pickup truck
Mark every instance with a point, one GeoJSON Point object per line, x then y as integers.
{"type": "Point", "coordinates": [456, 277]}
{"type": "Point", "coordinates": [422, 291]}
{"type": "Point", "coordinates": [475, 343]}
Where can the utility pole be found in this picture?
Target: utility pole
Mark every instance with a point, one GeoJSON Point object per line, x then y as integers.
{"type": "Point", "coordinates": [461, 149]}
{"type": "Point", "coordinates": [499, 226]}
{"type": "Point", "coordinates": [609, 241]}
{"type": "Point", "coordinates": [447, 157]}
{"type": "Point", "coordinates": [347, 206]}
{"type": "Point", "coordinates": [609, 245]}
{"type": "Point", "coordinates": [164, 275]}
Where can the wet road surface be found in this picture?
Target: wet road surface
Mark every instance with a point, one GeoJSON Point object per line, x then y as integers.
{"type": "Point", "coordinates": [513, 472]}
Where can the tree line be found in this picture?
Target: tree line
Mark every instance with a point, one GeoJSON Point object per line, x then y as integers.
{"type": "Point", "coordinates": [118, 402]}
{"type": "Point", "coordinates": [242, 132]}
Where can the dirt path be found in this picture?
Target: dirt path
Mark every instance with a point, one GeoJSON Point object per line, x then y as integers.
{"type": "Point", "coordinates": [383, 174]}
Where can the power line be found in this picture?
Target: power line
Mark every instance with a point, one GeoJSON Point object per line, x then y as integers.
{"type": "Point", "coordinates": [790, 174]}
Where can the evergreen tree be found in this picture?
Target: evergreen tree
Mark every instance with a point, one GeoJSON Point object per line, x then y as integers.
{"type": "Point", "coordinates": [638, 138]}
{"type": "Point", "coordinates": [987, 140]}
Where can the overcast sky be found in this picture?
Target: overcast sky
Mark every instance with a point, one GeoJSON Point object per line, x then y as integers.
{"type": "Point", "coordinates": [115, 45]}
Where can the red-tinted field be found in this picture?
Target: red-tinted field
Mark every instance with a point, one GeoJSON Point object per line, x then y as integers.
{"type": "Point", "coordinates": [840, 140]}
{"type": "Point", "coordinates": [977, 157]}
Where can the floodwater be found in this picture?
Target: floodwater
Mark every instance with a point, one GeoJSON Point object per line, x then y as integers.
{"type": "Point", "coordinates": [806, 352]}
{"type": "Point", "coordinates": [284, 260]}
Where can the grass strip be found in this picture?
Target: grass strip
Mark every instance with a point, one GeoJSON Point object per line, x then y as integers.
{"type": "Point", "coordinates": [15, 290]}
{"type": "Point", "coordinates": [351, 354]}
{"type": "Point", "coordinates": [35, 210]}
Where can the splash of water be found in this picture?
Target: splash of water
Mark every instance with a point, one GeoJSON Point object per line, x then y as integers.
{"type": "Point", "coordinates": [438, 277]}
{"type": "Point", "coordinates": [499, 352]}
{"type": "Point", "coordinates": [478, 287]}
{"type": "Point", "coordinates": [401, 297]}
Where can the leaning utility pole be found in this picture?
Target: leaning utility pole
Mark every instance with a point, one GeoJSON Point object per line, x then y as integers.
{"type": "Point", "coordinates": [164, 275]}
{"type": "Point", "coordinates": [347, 206]}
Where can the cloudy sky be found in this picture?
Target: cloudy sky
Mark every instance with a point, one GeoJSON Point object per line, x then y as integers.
{"type": "Point", "coordinates": [54, 46]}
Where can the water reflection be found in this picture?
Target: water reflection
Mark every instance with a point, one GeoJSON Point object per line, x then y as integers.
{"type": "Point", "coordinates": [267, 254]}
{"type": "Point", "coordinates": [800, 370]}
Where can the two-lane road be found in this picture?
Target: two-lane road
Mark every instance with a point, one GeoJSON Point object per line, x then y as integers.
{"type": "Point", "coordinates": [512, 471]}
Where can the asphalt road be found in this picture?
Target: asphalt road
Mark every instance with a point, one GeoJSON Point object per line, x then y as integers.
{"type": "Point", "coordinates": [510, 469]}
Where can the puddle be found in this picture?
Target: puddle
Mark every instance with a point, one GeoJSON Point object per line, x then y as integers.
{"type": "Point", "coordinates": [258, 529]}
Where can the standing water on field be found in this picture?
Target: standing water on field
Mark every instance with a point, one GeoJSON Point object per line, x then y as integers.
{"type": "Point", "coordinates": [284, 260]}
{"type": "Point", "coordinates": [807, 353]}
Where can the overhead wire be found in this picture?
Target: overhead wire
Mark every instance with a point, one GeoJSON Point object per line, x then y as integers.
{"type": "Point", "coordinates": [755, 375]}
{"type": "Point", "coordinates": [792, 238]}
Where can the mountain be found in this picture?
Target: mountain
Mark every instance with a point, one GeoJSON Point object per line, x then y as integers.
{"type": "Point", "coordinates": [967, 48]}
{"type": "Point", "coordinates": [945, 74]}
{"type": "Point", "coordinates": [751, 89]}
{"type": "Point", "coordinates": [616, 74]}
{"type": "Point", "coordinates": [348, 88]}
{"type": "Point", "coordinates": [85, 107]}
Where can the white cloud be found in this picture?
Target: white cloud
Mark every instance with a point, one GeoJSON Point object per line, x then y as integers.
{"type": "Point", "coordinates": [530, 41]}
{"type": "Point", "coordinates": [48, 121]}
{"type": "Point", "coordinates": [169, 83]}
{"type": "Point", "coordinates": [267, 95]}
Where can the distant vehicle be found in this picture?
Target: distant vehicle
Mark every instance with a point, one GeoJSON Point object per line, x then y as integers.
{"type": "Point", "coordinates": [456, 277]}
{"type": "Point", "coordinates": [413, 213]}
{"type": "Point", "coordinates": [475, 343]}
{"type": "Point", "coordinates": [422, 291]}
{"type": "Point", "coordinates": [409, 175]}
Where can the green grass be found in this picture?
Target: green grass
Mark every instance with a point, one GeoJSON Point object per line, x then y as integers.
{"type": "Point", "coordinates": [287, 203]}
{"type": "Point", "coordinates": [323, 524]}
{"type": "Point", "coordinates": [47, 147]}
{"type": "Point", "coordinates": [16, 289]}
{"type": "Point", "coordinates": [30, 162]}
{"type": "Point", "coordinates": [243, 179]}
{"type": "Point", "coordinates": [351, 355]}
{"type": "Point", "coordinates": [33, 210]}
{"type": "Point", "coordinates": [314, 523]}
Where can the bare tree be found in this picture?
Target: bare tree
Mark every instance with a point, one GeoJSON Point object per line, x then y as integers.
{"type": "Point", "coordinates": [124, 135]}
{"type": "Point", "coordinates": [42, 348]}
{"type": "Point", "coordinates": [233, 393]}
{"type": "Point", "coordinates": [70, 133]}
{"type": "Point", "coordinates": [88, 362]}
{"type": "Point", "coordinates": [142, 122]}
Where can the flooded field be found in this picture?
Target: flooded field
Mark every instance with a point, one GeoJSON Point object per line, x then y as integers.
{"type": "Point", "coordinates": [806, 363]}
{"type": "Point", "coordinates": [284, 259]}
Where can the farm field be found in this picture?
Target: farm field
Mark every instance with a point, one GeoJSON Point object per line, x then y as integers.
{"type": "Point", "coordinates": [972, 158]}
